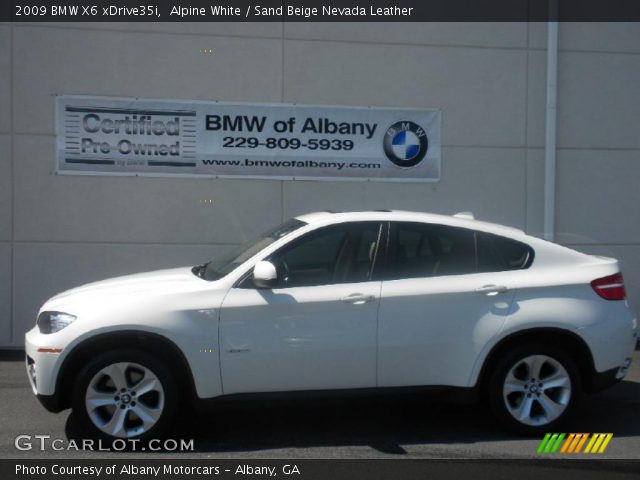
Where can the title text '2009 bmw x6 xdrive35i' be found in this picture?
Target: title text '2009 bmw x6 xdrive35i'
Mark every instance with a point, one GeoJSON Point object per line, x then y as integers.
{"type": "Point", "coordinates": [335, 301]}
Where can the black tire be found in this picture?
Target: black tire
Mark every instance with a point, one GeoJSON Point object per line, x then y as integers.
{"type": "Point", "coordinates": [165, 376]}
{"type": "Point", "coordinates": [498, 403]}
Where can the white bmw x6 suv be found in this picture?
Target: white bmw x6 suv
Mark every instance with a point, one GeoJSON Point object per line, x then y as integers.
{"type": "Point", "coordinates": [365, 301]}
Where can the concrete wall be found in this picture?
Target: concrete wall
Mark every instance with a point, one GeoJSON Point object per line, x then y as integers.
{"type": "Point", "coordinates": [489, 80]}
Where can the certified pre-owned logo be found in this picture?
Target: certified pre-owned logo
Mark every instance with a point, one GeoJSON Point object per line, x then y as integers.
{"type": "Point", "coordinates": [405, 143]}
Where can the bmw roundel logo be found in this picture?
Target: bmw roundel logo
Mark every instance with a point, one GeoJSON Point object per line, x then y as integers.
{"type": "Point", "coordinates": [405, 143]}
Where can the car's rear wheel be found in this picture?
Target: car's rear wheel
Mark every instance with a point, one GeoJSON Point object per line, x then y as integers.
{"type": "Point", "coordinates": [534, 388]}
{"type": "Point", "coordinates": [125, 394]}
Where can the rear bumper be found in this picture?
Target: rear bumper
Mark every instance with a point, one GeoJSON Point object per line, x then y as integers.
{"type": "Point", "coordinates": [612, 338]}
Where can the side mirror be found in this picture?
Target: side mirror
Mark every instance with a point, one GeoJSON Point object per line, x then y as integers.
{"type": "Point", "coordinates": [264, 274]}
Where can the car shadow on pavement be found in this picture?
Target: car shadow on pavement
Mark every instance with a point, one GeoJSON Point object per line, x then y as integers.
{"type": "Point", "coordinates": [384, 423]}
{"type": "Point", "coordinates": [614, 410]}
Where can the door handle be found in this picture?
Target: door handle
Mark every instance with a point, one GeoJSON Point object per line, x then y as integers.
{"type": "Point", "coordinates": [491, 290]}
{"type": "Point", "coordinates": [357, 298]}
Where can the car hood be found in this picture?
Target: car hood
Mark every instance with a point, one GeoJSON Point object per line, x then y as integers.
{"type": "Point", "coordinates": [136, 288]}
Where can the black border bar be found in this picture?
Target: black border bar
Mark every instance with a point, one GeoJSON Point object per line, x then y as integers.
{"type": "Point", "coordinates": [421, 11]}
{"type": "Point", "coordinates": [227, 469]}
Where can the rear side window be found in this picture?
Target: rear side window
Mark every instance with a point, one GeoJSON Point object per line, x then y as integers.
{"type": "Point", "coordinates": [499, 254]}
{"type": "Point", "coordinates": [428, 250]}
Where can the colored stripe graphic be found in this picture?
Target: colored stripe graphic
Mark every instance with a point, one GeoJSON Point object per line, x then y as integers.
{"type": "Point", "coordinates": [605, 443]}
{"type": "Point", "coordinates": [581, 442]}
{"type": "Point", "coordinates": [598, 442]}
{"type": "Point", "coordinates": [556, 443]}
{"type": "Point", "coordinates": [543, 443]}
{"type": "Point", "coordinates": [551, 442]}
{"type": "Point", "coordinates": [578, 441]}
{"type": "Point", "coordinates": [567, 442]}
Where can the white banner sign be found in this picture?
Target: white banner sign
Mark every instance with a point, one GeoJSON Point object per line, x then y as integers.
{"type": "Point", "coordinates": [278, 141]}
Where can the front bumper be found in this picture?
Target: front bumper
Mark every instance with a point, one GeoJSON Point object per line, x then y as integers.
{"type": "Point", "coordinates": [52, 403]}
{"type": "Point", "coordinates": [43, 360]}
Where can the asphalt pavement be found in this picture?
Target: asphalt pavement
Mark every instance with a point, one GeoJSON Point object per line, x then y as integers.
{"type": "Point", "coordinates": [397, 427]}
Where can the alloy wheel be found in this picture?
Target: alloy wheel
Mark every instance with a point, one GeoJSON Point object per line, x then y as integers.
{"type": "Point", "coordinates": [124, 399]}
{"type": "Point", "coordinates": [537, 390]}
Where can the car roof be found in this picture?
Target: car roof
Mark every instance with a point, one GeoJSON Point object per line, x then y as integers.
{"type": "Point", "coordinates": [464, 220]}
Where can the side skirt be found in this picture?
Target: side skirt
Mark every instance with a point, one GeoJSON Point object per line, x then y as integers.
{"type": "Point", "coordinates": [459, 395]}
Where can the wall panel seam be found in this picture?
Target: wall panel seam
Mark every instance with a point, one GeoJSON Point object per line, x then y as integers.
{"type": "Point", "coordinates": [115, 243]}
{"type": "Point", "coordinates": [146, 32]}
{"type": "Point", "coordinates": [12, 190]}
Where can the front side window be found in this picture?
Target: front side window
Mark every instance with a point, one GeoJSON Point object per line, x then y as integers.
{"type": "Point", "coordinates": [429, 250]}
{"type": "Point", "coordinates": [343, 253]}
{"type": "Point", "coordinates": [226, 263]}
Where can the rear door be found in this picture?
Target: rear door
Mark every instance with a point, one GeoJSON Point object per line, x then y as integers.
{"type": "Point", "coordinates": [438, 308]}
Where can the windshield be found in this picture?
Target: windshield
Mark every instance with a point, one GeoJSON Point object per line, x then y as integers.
{"type": "Point", "coordinates": [227, 262]}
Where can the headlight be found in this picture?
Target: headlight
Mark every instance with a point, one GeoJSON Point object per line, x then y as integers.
{"type": "Point", "coordinates": [52, 322]}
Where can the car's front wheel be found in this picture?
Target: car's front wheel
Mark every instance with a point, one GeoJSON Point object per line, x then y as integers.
{"type": "Point", "coordinates": [125, 394]}
{"type": "Point", "coordinates": [534, 388]}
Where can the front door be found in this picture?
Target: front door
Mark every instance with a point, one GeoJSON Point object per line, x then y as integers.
{"type": "Point", "coordinates": [317, 329]}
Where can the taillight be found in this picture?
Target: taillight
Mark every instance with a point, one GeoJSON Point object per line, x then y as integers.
{"type": "Point", "coordinates": [610, 287]}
